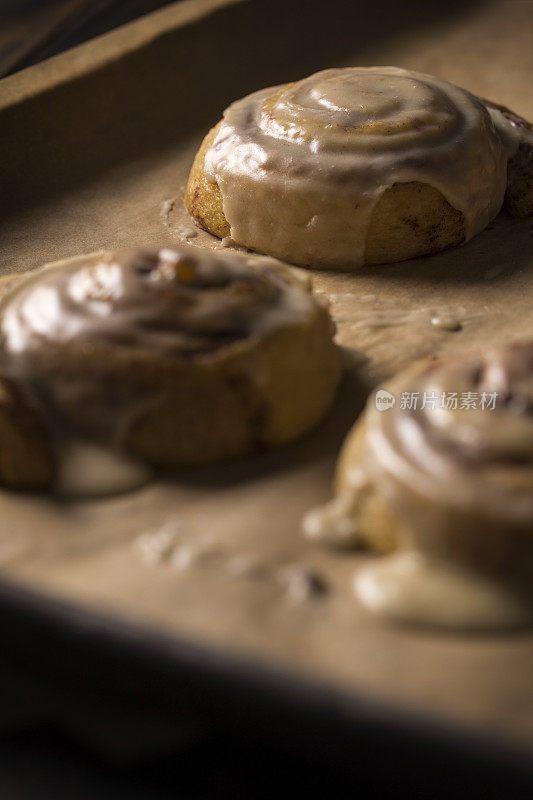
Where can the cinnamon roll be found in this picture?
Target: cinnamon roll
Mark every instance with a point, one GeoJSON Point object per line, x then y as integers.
{"type": "Point", "coordinates": [360, 166]}
{"type": "Point", "coordinates": [111, 363]}
{"type": "Point", "coordinates": [439, 474]}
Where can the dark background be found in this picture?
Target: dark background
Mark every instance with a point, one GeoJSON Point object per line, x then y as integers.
{"type": "Point", "coordinates": [32, 30]}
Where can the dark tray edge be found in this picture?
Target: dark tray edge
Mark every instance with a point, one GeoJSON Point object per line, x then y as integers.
{"type": "Point", "coordinates": [124, 665]}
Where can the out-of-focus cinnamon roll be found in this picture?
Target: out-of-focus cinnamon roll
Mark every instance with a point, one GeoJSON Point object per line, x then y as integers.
{"type": "Point", "coordinates": [360, 166]}
{"type": "Point", "coordinates": [113, 362]}
{"type": "Point", "coordinates": [439, 472]}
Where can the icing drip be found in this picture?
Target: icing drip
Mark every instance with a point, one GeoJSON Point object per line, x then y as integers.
{"type": "Point", "coordinates": [469, 457]}
{"type": "Point", "coordinates": [456, 469]}
{"type": "Point", "coordinates": [81, 339]}
{"type": "Point", "coordinates": [88, 470]}
{"type": "Point", "coordinates": [408, 588]}
{"type": "Point", "coordinates": [301, 167]}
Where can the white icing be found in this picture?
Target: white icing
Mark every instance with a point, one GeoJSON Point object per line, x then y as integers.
{"type": "Point", "coordinates": [109, 296]}
{"type": "Point", "coordinates": [332, 524]}
{"type": "Point", "coordinates": [89, 470]}
{"type": "Point", "coordinates": [64, 327]}
{"type": "Point", "coordinates": [301, 167]}
{"type": "Point", "coordinates": [407, 588]}
{"type": "Point", "coordinates": [459, 483]}
{"type": "Point", "coordinates": [462, 457]}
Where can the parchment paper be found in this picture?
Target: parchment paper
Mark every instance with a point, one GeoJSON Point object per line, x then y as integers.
{"type": "Point", "coordinates": [95, 147]}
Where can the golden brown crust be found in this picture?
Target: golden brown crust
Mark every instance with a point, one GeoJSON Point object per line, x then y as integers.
{"type": "Point", "coordinates": [518, 199]}
{"type": "Point", "coordinates": [257, 392]}
{"type": "Point", "coordinates": [410, 219]}
{"type": "Point", "coordinates": [26, 460]}
{"type": "Point", "coordinates": [519, 195]}
{"type": "Point", "coordinates": [219, 410]}
{"type": "Point", "coordinates": [484, 491]}
{"type": "Point", "coordinates": [378, 526]}
{"type": "Point", "coordinates": [202, 197]}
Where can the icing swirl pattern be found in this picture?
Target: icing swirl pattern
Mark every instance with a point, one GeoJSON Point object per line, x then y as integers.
{"type": "Point", "coordinates": [301, 167]}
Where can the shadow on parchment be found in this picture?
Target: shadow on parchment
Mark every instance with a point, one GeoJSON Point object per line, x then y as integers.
{"type": "Point", "coordinates": [180, 83]}
{"type": "Point", "coordinates": [500, 251]}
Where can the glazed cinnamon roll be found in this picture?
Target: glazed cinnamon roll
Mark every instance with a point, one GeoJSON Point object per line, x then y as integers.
{"type": "Point", "coordinates": [360, 166]}
{"type": "Point", "coordinates": [439, 471]}
{"type": "Point", "coordinates": [114, 362]}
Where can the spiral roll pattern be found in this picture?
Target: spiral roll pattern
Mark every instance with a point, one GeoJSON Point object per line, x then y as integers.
{"type": "Point", "coordinates": [170, 356]}
{"type": "Point", "coordinates": [301, 167]}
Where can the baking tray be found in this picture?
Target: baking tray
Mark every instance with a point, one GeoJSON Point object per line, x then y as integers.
{"type": "Point", "coordinates": [189, 582]}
